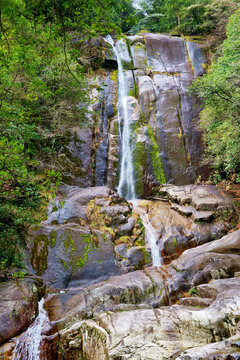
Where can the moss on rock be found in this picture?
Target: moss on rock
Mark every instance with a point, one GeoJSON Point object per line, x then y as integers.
{"type": "Point", "coordinates": [156, 159]}
{"type": "Point", "coordinates": [40, 253]}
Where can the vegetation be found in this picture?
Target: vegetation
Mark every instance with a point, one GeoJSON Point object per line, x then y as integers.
{"type": "Point", "coordinates": [42, 91]}
{"type": "Point", "coordinates": [184, 16]}
{"type": "Point", "coordinates": [220, 119]}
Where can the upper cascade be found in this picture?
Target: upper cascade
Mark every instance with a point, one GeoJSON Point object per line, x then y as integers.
{"type": "Point", "coordinates": [126, 185]}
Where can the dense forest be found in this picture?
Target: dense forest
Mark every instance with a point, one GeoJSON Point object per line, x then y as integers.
{"type": "Point", "coordinates": [43, 82]}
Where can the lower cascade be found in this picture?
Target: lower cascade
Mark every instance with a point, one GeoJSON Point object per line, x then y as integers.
{"type": "Point", "coordinates": [151, 235]}
{"type": "Point", "coordinates": [28, 346]}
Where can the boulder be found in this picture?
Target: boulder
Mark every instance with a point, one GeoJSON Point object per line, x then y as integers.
{"type": "Point", "coordinates": [72, 202]}
{"type": "Point", "coordinates": [18, 306]}
{"type": "Point", "coordinates": [200, 197]}
{"type": "Point", "coordinates": [70, 253]}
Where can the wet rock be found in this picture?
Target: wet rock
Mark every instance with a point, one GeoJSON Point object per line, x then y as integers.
{"type": "Point", "coordinates": [122, 48]}
{"type": "Point", "coordinates": [71, 254]}
{"type": "Point", "coordinates": [165, 53]}
{"type": "Point", "coordinates": [197, 58]}
{"type": "Point", "coordinates": [74, 160]}
{"type": "Point", "coordinates": [76, 342]}
{"type": "Point", "coordinates": [107, 104]}
{"type": "Point", "coordinates": [18, 306]}
{"type": "Point", "coordinates": [201, 197]}
{"type": "Point", "coordinates": [132, 290]}
{"type": "Point", "coordinates": [127, 228]}
{"type": "Point", "coordinates": [176, 233]}
{"type": "Point", "coordinates": [138, 257]}
{"type": "Point", "coordinates": [6, 351]}
{"type": "Point", "coordinates": [72, 202]}
{"type": "Point", "coordinates": [139, 55]}
{"type": "Point", "coordinates": [147, 95]}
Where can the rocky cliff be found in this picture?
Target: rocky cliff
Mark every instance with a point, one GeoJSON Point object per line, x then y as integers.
{"type": "Point", "coordinates": [165, 138]}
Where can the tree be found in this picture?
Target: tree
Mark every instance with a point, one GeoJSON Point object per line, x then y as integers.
{"type": "Point", "coordinates": [219, 91]}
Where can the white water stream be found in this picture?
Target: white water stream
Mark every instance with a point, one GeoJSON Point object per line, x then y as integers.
{"type": "Point", "coordinates": [151, 234]}
{"type": "Point", "coordinates": [126, 185]}
{"type": "Point", "coordinates": [28, 344]}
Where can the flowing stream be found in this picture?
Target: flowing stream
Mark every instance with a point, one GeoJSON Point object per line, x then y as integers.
{"type": "Point", "coordinates": [28, 344]}
{"type": "Point", "coordinates": [126, 185]}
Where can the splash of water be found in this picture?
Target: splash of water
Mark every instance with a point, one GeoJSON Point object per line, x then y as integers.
{"type": "Point", "coordinates": [28, 344]}
{"type": "Point", "coordinates": [126, 185]}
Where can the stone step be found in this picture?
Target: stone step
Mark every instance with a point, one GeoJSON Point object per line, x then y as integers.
{"type": "Point", "coordinates": [196, 216]}
{"type": "Point", "coordinates": [195, 301]}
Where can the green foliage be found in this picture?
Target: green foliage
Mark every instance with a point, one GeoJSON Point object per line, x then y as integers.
{"type": "Point", "coordinates": [193, 291]}
{"type": "Point", "coordinates": [42, 92]}
{"type": "Point", "coordinates": [220, 119]}
{"type": "Point", "coordinates": [183, 16]}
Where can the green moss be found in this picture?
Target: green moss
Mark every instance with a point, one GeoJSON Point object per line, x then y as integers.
{"type": "Point", "coordinates": [174, 242]}
{"type": "Point", "coordinates": [156, 159]}
{"type": "Point", "coordinates": [124, 240]}
{"type": "Point", "coordinates": [147, 257]}
{"type": "Point", "coordinates": [140, 155]}
{"type": "Point", "coordinates": [86, 242]}
{"type": "Point", "coordinates": [53, 238]}
{"type": "Point", "coordinates": [40, 253]}
{"type": "Point", "coordinates": [114, 76]}
{"type": "Point", "coordinates": [62, 202]}
{"type": "Point", "coordinates": [193, 291]}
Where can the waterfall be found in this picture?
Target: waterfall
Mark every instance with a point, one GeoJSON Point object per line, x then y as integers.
{"type": "Point", "coordinates": [126, 186]}
{"type": "Point", "coordinates": [28, 344]}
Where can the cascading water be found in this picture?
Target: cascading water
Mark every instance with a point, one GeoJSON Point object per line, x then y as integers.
{"type": "Point", "coordinates": [151, 235]}
{"type": "Point", "coordinates": [126, 185]}
{"type": "Point", "coordinates": [28, 344]}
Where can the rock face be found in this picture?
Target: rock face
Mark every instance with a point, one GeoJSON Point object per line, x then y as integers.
{"type": "Point", "coordinates": [163, 116]}
{"type": "Point", "coordinates": [19, 306]}
{"type": "Point", "coordinates": [89, 235]}
{"type": "Point", "coordinates": [195, 215]}
{"type": "Point", "coordinates": [132, 321]}
{"type": "Point", "coordinates": [113, 304]}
